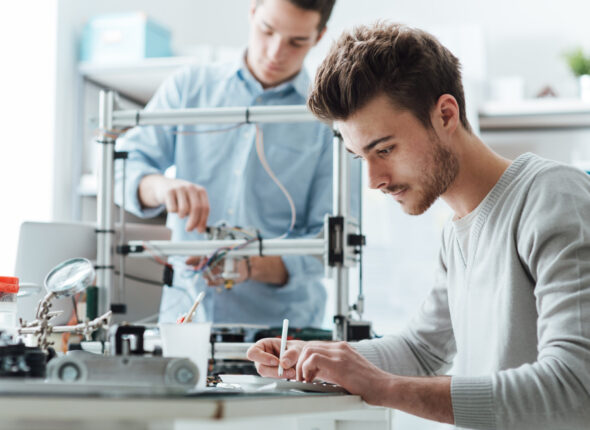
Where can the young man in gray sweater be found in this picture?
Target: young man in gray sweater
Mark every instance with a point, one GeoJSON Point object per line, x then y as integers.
{"type": "Point", "coordinates": [511, 304]}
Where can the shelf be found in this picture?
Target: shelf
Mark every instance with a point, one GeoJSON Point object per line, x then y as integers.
{"type": "Point", "coordinates": [139, 80]}
{"type": "Point", "coordinates": [534, 114]}
{"type": "Point", "coordinates": [135, 80]}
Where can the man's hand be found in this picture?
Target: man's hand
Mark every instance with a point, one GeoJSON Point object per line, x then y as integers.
{"type": "Point", "coordinates": [339, 363]}
{"type": "Point", "coordinates": [265, 354]}
{"type": "Point", "coordinates": [270, 270]}
{"type": "Point", "coordinates": [335, 362]}
{"type": "Point", "coordinates": [213, 276]}
{"type": "Point", "coordinates": [181, 197]}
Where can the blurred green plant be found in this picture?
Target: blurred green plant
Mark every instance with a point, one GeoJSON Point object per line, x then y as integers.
{"type": "Point", "coordinates": [578, 62]}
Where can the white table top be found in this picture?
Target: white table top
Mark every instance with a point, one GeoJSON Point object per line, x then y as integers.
{"type": "Point", "coordinates": [88, 408]}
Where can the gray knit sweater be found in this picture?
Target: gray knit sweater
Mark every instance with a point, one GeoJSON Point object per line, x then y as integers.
{"type": "Point", "coordinates": [514, 315]}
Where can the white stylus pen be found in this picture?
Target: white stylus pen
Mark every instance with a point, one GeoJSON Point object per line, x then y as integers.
{"type": "Point", "coordinates": [283, 343]}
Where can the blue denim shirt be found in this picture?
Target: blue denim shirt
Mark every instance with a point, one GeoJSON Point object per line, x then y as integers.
{"type": "Point", "coordinates": [239, 189]}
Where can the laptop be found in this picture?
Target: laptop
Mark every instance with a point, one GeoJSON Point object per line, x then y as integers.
{"type": "Point", "coordinates": [43, 245]}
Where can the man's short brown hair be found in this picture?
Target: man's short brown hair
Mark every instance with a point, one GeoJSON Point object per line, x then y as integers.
{"type": "Point", "coordinates": [408, 65]}
{"type": "Point", "coordinates": [324, 7]}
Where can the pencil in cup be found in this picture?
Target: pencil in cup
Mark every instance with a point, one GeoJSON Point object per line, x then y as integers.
{"type": "Point", "coordinates": [189, 316]}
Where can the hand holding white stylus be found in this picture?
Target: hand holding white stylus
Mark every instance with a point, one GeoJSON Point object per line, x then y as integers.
{"type": "Point", "coordinates": [283, 344]}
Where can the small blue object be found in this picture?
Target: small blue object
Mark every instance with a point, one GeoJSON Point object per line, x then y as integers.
{"type": "Point", "coordinates": [123, 37]}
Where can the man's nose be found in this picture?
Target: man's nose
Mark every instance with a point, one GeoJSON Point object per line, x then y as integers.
{"type": "Point", "coordinates": [377, 177]}
{"type": "Point", "coordinates": [275, 48]}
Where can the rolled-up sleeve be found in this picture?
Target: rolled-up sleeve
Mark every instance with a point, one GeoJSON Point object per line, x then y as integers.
{"type": "Point", "coordinates": [151, 149]}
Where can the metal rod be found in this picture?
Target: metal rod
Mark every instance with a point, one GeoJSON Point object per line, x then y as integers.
{"type": "Point", "coordinates": [105, 204]}
{"type": "Point", "coordinates": [340, 205]}
{"type": "Point", "coordinates": [121, 287]}
{"type": "Point", "coordinates": [258, 114]}
{"type": "Point", "coordinates": [360, 301]}
{"type": "Point", "coordinates": [204, 248]}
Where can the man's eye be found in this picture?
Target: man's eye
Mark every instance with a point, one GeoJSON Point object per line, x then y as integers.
{"type": "Point", "coordinates": [298, 43]}
{"type": "Point", "coordinates": [386, 150]}
{"type": "Point", "coordinates": [357, 157]}
{"type": "Point", "coordinates": [264, 29]}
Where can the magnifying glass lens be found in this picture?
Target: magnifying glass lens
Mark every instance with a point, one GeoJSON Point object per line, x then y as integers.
{"type": "Point", "coordinates": [70, 277]}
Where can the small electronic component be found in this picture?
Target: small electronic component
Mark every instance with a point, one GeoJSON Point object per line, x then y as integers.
{"type": "Point", "coordinates": [18, 360]}
{"type": "Point", "coordinates": [222, 231]}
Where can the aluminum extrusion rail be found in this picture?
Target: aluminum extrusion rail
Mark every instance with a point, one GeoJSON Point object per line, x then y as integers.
{"type": "Point", "coordinates": [249, 114]}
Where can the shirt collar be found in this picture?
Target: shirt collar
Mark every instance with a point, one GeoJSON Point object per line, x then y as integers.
{"type": "Point", "coordinates": [300, 82]}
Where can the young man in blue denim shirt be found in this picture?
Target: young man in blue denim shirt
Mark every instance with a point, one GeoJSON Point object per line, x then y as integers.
{"type": "Point", "coordinates": [219, 176]}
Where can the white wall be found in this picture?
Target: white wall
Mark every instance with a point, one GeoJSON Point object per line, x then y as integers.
{"type": "Point", "coordinates": [525, 37]}
{"type": "Point", "coordinates": [27, 117]}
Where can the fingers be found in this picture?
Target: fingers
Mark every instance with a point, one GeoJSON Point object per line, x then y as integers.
{"type": "Point", "coordinates": [199, 209]}
{"type": "Point", "coordinates": [194, 213]}
{"type": "Point", "coordinates": [182, 201]}
{"type": "Point", "coordinates": [170, 202]}
{"type": "Point", "coordinates": [287, 373]}
{"type": "Point", "coordinates": [197, 262]}
{"type": "Point", "coordinates": [273, 372]}
{"type": "Point", "coordinates": [289, 359]}
{"type": "Point", "coordinates": [267, 371]}
{"type": "Point", "coordinates": [202, 223]}
{"type": "Point", "coordinates": [316, 366]}
{"type": "Point", "coordinates": [188, 199]}
{"type": "Point", "coordinates": [303, 361]}
{"type": "Point", "coordinates": [318, 359]}
{"type": "Point", "coordinates": [212, 276]}
{"type": "Point", "coordinates": [265, 352]}
{"type": "Point", "coordinates": [213, 280]}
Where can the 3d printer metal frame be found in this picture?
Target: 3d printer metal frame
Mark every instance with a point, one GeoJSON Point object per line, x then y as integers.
{"type": "Point", "coordinates": [338, 247]}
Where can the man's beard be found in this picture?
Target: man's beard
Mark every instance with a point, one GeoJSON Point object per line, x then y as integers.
{"type": "Point", "coordinates": [436, 178]}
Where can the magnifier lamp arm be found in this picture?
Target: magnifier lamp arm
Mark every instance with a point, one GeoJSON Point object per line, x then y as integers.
{"type": "Point", "coordinates": [44, 305]}
{"type": "Point", "coordinates": [25, 324]}
{"type": "Point", "coordinates": [84, 327]}
{"type": "Point", "coordinates": [64, 280]}
{"type": "Point", "coordinates": [54, 314]}
{"type": "Point", "coordinates": [36, 329]}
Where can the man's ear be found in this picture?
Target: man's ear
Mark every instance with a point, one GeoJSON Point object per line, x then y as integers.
{"type": "Point", "coordinates": [446, 114]}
